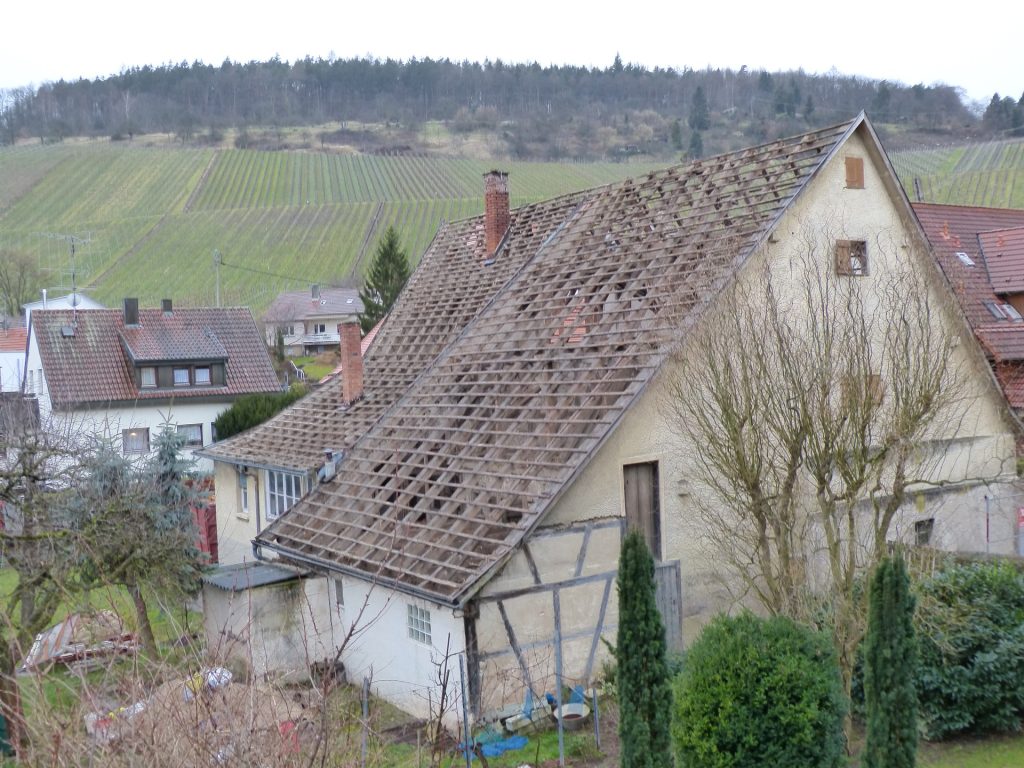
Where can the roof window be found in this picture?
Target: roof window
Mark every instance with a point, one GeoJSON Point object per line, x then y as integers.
{"type": "Point", "coordinates": [967, 260]}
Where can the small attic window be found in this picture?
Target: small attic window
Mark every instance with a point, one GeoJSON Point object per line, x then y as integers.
{"type": "Point", "coordinates": [855, 173]}
{"type": "Point", "coordinates": [967, 260]}
{"type": "Point", "coordinates": [1011, 312]}
{"type": "Point", "coordinates": [67, 331]}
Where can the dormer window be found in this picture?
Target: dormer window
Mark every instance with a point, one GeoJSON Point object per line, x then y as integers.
{"type": "Point", "coordinates": [181, 378]}
{"type": "Point", "coordinates": [147, 377]}
{"type": "Point", "coordinates": [202, 376]}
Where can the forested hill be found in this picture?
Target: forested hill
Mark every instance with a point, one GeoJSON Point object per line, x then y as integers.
{"type": "Point", "coordinates": [538, 112]}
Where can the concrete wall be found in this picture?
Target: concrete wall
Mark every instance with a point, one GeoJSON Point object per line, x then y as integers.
{"type": "Point", "coordinates": [279, 629]}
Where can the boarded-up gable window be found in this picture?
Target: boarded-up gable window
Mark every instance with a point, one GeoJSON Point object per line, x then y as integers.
{"type": "Point", "coordinates": [643, 512]}
{"type": "Point", "coordinates": [855, 173]}
{"type": "Point", "coordinates": [851, 257]}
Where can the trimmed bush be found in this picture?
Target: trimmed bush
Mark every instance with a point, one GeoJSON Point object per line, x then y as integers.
{"type": "Point", "coordinates": [248, 411]}
{"type": "Point", "coordinates": [759, 692]}
{"type": "Point", "coordinates": [970, 624]}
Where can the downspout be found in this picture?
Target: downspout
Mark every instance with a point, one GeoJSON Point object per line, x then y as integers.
{"type": "Point", "coordinates": [255, 547]}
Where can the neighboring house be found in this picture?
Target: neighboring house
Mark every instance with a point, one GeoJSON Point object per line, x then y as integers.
{"type": "Point", "coordinates": [512, 422]}
{"type": "Point", "coordinates": [75, 300]}
{"type": "Point", "coordinates": [122, 374]}
{"type": "Point", "coordinates": [308, 322]}
{"type": "Point", "coordinates": [981, 252]}
{"type": "Point", "coordinates": [12, 358]}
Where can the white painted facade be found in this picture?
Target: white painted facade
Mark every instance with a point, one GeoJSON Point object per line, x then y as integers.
{"type": "Point", "coordinates": [12, 366]}
{"type": "Point", "coordinates": [144, 416]}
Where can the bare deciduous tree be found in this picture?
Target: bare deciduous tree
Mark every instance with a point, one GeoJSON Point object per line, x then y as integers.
{"type": "Point", "coordinates": [19, 277]}
{"type": "Point", "coordinates": [816, 404]}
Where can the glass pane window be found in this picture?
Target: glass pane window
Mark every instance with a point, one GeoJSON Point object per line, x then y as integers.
{"type": "Point", "coordinates": [181, 377]}
{"type": "Point", "coordinates": [283, 490]}
{"type": "Point", "coordinates": [419, 624]}
{"type": "Point", "coordinates": [202, 375]}
{"type": "Point", "coordinates": [135, 440]}
{"type": "Point", "coordinates": [148, 376]}
{"type": "Point", "coordinates": [193, 434]}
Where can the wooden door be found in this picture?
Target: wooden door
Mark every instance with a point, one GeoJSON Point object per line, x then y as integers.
{"type": "Point", "coordinates": [643, 511]}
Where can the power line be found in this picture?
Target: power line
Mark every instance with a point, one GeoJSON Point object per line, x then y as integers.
{"type": "Point", "coordinates": [264, 272]}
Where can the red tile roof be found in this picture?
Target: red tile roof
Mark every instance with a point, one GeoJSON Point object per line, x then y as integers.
{"type": "Point", "coordinates": [87, 355]}
{"type": "Point", "coordinates": [959, 229]}
{"type": "Point", "coordinates": [12, 339]}
{"type": "Point", "coordinates": [1004, 257]}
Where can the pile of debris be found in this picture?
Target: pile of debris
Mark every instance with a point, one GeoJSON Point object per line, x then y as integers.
{"type": "Point", "coordinates": [204, 719]}
{"type": "Point", "coordinates": [82, 639]}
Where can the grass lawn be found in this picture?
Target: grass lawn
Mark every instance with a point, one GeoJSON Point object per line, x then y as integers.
{"type": "Point", "coordinates": [315, 368]}
{"type": "Point", "coordinates": [993, 752]}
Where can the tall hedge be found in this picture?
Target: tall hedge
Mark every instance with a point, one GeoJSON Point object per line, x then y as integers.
{"type": "Point", "coordinates": [890, 665]}
{"type": "Point", "coordinates": [644, 688]}
{"type": "Point", "coordinates": [759, 692]}
{"type": "Point", "coordinates": [970, 622]}
{"type": "Point", "coordinates": [248, 411]}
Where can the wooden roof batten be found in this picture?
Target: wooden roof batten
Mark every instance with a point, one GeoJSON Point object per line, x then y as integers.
{"type": "Point", "coordinates": [600, 292]}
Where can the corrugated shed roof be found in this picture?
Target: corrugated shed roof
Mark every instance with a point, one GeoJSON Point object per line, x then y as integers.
{"type": "Point", "coordinates": [1004, 256]}
{"type": "Point", "coordinates": [510, 399]}
{"type": "Point", "coordinates": [85, 360]}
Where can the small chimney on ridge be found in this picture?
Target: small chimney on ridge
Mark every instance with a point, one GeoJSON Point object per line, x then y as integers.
{"type": "Point", "coordinates": [167, 306]}
{"type": "Point", "coordinates": [496, 209]}
{"type": "Point", "coordinates": [351, 361]}
{"type": "Point", "coordinates": [131, 311]}
{"type": "Point", "coordinates": [314, 292]}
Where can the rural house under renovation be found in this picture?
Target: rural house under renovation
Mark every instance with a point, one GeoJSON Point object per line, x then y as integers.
{"type": "Point", "coordinates": [509, 422]}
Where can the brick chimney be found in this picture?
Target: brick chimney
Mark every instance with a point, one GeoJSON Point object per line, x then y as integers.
{"type": "Point", "coordinates": [351, 361]}
{"type": "Point", "coordinates": [496, 211]}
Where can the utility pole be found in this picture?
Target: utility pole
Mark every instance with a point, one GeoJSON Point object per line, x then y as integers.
{"type": "Point", "coordinates": [216, 267]}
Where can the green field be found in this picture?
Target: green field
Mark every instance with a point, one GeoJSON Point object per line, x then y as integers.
{"type": "Point", "coordinates": [146, 220]}
{"type": "Point", "coordinates": [987, 174]}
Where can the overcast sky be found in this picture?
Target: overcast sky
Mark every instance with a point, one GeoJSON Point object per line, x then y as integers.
{"type": "Point", "coordinates": [975, 46]}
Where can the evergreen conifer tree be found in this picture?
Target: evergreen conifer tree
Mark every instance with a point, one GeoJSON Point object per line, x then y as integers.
{"type": "Point", "coordinates": [645, 693]}
{"type": "Point", "coordinates": [388, 274]}
{"type": "Point", "coordinates": [890, 664]}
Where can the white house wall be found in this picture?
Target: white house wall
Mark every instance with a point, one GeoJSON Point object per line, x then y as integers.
{"type": "Point", "coordinates": [12, 365]}
{"type": "Point", "coordinates": [402, 670]}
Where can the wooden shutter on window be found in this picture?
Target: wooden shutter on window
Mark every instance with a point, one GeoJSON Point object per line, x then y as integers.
{"type": "Point", "coordinates": [843, 257]}
{"type": "Point", "coordinates": [855, 173]}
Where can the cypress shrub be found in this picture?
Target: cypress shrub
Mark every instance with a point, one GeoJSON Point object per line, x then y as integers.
{"type": "Point", "coordinates": [890, 665]}
{"type": "Point", "coordinates": [644, 688]}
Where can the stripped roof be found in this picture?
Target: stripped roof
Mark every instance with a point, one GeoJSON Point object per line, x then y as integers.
{"type": "Point", "coordinates": [960, 229]}
{"type": "Point", "coordinates": [303, 305]}
{"type": "Point", "coordinates": [1004, 257]}
{"type": "Point", "coordinates": [579, 307]}
{"type": "Point", "coordinates": [86, 358]}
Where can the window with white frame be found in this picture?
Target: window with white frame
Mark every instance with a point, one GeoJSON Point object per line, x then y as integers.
{"type": "Point", "coordinates": [202, 374]}
{"type": "Point", "coordinates": [193, 434]}
{"type": "Point", "coordinates": [320, 328]}
{"type": "Point", "coordinates": [135, 440]}
{"type": "Point", "coordinates": [147, 376]}
{"type": "Point", "coordinates": [181, 377]}
{"type": "Point", "coordinates": [419, 624]}
{"type": "Point", "coordinates": [283, 490]}
{"type": "Point", "coordinates": [243, 494]}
